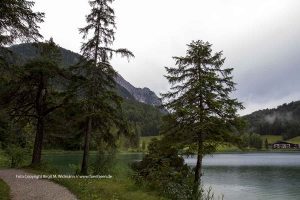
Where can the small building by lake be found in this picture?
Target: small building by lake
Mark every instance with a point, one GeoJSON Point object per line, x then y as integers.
{"type": "Point", "coordinates": [285, 145]}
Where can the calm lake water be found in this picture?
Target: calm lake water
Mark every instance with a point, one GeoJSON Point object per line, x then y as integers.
{"type": "Point", "coordinates": [253, 176]}
{"type": "Point", "coordinates": [249, 176]}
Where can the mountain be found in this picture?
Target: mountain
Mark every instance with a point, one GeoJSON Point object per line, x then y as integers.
{"type": "Point", "coordinates": [283, 120]}
{"type": "Point", "coordinates": [139, 106]}
{"type": "Point", "coordinates": [143, 95]}
{"type": "Point", "coordinates": [127, 90]}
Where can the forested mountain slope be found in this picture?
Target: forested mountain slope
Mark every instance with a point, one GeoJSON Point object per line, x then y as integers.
{"type": "Point", "coordinates": [140, 105]}
{"type": "Point", "coordinates": [143, 95]}
{"type": "Point", "coordinates": [283, 120]}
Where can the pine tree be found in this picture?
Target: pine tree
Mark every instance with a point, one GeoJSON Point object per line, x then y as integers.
{"type": "Point", "coordinates": [36, 90]}
{"type": "Point", "coordinates": [18, 21]}
{"type": "Point", "coordinates": [202, 112]}
{"type": "Point", "coordinates": [101, 103]}
{"type": "Point", "coordinates": [266, 144]}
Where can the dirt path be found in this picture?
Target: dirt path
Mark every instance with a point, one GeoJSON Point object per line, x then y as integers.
{"type": "Point", "coordinates": [33, 189]}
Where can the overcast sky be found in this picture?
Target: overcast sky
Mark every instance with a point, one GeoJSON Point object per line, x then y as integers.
{"type": "Point", "coordinates": [260, 39]}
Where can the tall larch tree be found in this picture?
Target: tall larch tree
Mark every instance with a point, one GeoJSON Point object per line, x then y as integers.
{"type": "Point", "coordinates": [202, 112]}
{"type": "Point", "coordinates": [18, 21]}
{"type": "Point", "coordinates": [100, 102]}
{"type": "Point", "coordinates": [37, 89]}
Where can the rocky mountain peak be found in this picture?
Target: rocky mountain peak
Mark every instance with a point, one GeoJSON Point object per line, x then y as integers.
{"type": "Point", "coordinates": [143, 95]}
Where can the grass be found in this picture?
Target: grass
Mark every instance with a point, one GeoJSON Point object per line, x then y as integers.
{"type": "Point", "coordinates": [117, 188]}
{"type": "Point", "coordinates": [106, 189]}
{"type": "Point", "coordinates": [120, 187]}
{"type": "Point", "coordinates": [295, 140]}
{"type": "Point", "coordinates": [228, 148]}
{"type": "Point", "coordinates": [271, 138]}
{"type": "Point", "coordinates": [3, 160]}
{"type": "Point", "coordinates": [276, 138]}
{"type": "Point", "coordinates": [4, 191]}
{"type": "Point", "coordinates": [231, 148]}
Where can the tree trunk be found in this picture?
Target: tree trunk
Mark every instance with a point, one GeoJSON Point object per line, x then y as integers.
{"type": "Point", "coordinates": [198, 168]}
{"type": "Point", "coordinates": [38, 143]}
{"type": "Point", "coordinates": [39, 136]}
{"type": "Point", "coordinates": [84, 165]}
{"type": "Point", "coordinates": [87, 136]}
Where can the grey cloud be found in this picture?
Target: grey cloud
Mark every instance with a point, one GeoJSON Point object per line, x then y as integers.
{"type": "Point", "coordinates": [259, 38]}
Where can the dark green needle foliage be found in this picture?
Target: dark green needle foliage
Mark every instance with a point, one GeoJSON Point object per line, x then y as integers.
{"type": "Point", "coordinates": [18, 21]}
{"type": "Point", "coordinates": [102, 106]}
{"type": "Point", "coordinates": [163, 170]}
{"type": "Point", "coordinates": [35, 90]}
{"type": "Point", "coordinates": [202, 112]}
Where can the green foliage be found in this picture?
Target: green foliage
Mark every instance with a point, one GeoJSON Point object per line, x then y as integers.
{"type": "Point", "coordinates": [282, 121]}
{"type": "Point", "coordinates": [163, 170]}
{"type": "Point", "coordinates": [105, 161]}
{"type": "Point", "coordinates": [18, 21]}
{"type": "Point", "coordinates": [266, 144]}
{"type": "Point", "coordinates": [143, 145]}
{"type": "Point", "coordinates": [17, 155]}
{"type": "Point", "coordinates": [120, 186]}
{"type": "Point", "coordinates": [102, 106]}
{"type": "Point", "coordinates": [145, 117]}
{"type": "Point", "coordinates": [89, 189]}
{"type": "Point", "coordinates": [101, 23]}
{"type": "Point", "coordinates": [272, 138]}
{"type": "Point", "coordinates": [295, 140]}
{"type": "Point", "coordinates": [199, 99]}
{"type": "Point", "coordinates": [132, 140]}
{"type": "Point", "coordinates": [252, 140]}
{"type": "Point", "coordinates": [4, 129]}
{"type": "Point", "coordinates": [16, 140]}
{"type": "Point", "coordinates": [203, 114]}
{"type": "Point", "coordinates": [4, 191]}
{"type": "Point", "coordinates": [35, 90]}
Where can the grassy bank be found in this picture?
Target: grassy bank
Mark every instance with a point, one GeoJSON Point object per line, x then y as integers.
{"type": "Point", "coordinates": [4, 191]}
{"type": "Point", "coordinates": [121, 186]}
{"type": "Point", "coordinates": [231, 148]}
{"type": "Point", "coordinates": [271, 138]}
{"type": "Point", "coordinates": [106, 189]}
{"type": "Point", "coordinates": [295, 140]}
{"type": "Point", "coordinates": [3, 160]}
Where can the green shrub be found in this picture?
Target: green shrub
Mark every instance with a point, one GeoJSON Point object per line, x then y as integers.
{"type": "Point", "coordinates": [4, 191]}
{"type": "Point", "coordinates": [143, 145]}
{"type": "Point", "coordinates": [16, 155]}
{"type": "Point", "coordinates": [163, 170]}
{"type": "Point", "coordinates": [104, 163]}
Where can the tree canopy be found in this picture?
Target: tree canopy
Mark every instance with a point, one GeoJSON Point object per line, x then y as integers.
{"type": "Point", "coordinates": [101, 102]}
{"type": "Point", "coordinates": [202, 112]}
{"type": "Point", "coordinates": [18, 21]}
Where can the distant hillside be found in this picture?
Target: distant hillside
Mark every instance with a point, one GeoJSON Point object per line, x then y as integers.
{"type": "Point", "coordinates": [140, 105]}
{"type": "Point", "coordinates": [283, 120]}
{"type": "Point", "coordinates": [128, 91]}
{"type": "Point", "coordinates": [143, 95]}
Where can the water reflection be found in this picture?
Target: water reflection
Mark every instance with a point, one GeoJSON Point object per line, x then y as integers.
{"type": "Point", "coordinates": [253, 176]}
{"type": "Point", "coordinates": [262, 176]}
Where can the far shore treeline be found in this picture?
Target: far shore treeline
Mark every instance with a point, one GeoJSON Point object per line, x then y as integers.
{"type": "Point", "coordinates": [51, 98]}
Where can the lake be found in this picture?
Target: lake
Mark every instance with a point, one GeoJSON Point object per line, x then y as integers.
{"type": "Point", "coordinates": [246, 176]}
{"type": "Point", "coordinates": [253, 176]}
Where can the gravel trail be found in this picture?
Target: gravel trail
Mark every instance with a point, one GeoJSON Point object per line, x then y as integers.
{"type": "Point", "coordinates": [33, 189]}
